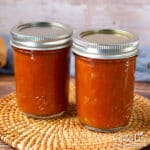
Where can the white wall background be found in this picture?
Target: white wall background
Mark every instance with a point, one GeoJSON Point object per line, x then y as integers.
{"type": "Point", "coordinates": [133, 15]}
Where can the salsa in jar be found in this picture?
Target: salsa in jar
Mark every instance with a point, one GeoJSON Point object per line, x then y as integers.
{"type": "Point", "coordinates": [105, 63]}
{"type": "Point", "coordinates": [41, 60]}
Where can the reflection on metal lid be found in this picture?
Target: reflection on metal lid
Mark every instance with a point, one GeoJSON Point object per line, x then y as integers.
{"type": "Point", "coordinates": [41, 36]}
{"type": "Point", "coordinates": [105, 44]}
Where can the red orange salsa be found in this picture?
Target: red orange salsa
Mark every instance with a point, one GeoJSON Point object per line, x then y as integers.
{"type": "Point", "coordinates": [42, 79]}
{"type": "Point", "coordinates": [104, 91]}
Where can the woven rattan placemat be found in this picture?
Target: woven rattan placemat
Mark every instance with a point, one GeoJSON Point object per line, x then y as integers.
{"type": "Point", "coordinates": [66, 132]}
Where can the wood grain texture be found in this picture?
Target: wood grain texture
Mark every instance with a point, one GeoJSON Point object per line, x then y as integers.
{"type": "Point", "coordinates": [131, 15]}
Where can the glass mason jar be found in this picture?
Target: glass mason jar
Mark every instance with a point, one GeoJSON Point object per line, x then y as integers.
{"type": "Point", "coordinates": [105, 63]}
{"type": "Point", "coordinates": [41, 60]}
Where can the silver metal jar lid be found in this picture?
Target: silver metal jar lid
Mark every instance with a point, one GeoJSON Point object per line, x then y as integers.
{"type": "Point", "coordinates": [41, 36]}
{"type": "Point", "coordinates": [105, 44]}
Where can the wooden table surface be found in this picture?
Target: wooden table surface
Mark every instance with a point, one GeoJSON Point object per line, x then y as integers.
{"type": "Point", "coordinates": [7, 85]}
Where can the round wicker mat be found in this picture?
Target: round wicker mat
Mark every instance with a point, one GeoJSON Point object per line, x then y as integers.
{"type": "Point", "coordinates": [66, 132]}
